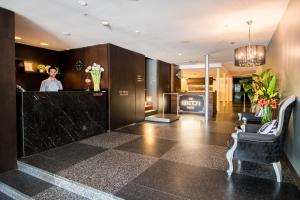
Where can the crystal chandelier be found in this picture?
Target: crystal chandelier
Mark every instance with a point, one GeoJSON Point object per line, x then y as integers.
{"type": "Point", "coordinates": [250, 55]}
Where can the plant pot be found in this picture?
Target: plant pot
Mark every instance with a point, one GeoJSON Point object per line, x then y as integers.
{"type": "Point", "coordinates": [97, 86]}
{"type": "Point", "coordinates": [267, 114]}
{"type": "Point", "coordinates": [96, 76]}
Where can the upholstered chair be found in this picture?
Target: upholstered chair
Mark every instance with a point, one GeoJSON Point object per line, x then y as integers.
{"type": "Point", "coordinates": [251, 121]}
{"type": "Point", "coordinates": [260, 148]}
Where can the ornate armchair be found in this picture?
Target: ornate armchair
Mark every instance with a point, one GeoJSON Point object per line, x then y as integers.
{"type": "Point", "coordinates": [252, 122]}
{"type": "Point", "coordinates": [255, 147]}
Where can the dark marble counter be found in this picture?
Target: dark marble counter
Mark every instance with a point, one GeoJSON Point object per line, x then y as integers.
{"type": "Point", "coordinates": [52, 119]}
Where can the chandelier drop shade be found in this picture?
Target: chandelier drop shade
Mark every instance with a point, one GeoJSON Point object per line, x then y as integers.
{"type": "Point", "coordinates": [250, 55]}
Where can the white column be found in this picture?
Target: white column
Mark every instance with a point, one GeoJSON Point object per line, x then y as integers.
{"type": "Point", "coordinates": [206, 86]}
{"type": "Point", "coordinates": [224, 89]}
{"type": "Point", "coordinates": [218, 89]}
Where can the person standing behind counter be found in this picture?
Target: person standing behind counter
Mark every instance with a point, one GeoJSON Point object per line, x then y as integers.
{"type": "Point", "coordinates": [51, 84]}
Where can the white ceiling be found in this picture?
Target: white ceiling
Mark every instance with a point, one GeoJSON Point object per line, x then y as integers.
{"type": "Point", "coordinates": [167, 27]}
{"type": "Point", "coordinates": [231, 71]}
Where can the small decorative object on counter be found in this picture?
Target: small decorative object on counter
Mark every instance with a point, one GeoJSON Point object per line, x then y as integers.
{"type": "Point", "coordinates": [88, 82]}
{"type": "Point", "coordinates": [95, 70]}
{"type": "Point", "coordinates": [44, 68]}
{"type": "Point", "coordinates": [41, 68]}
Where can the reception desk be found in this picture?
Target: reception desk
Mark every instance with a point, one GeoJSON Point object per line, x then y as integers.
{"type": "Point", "coordinates": [194, 102]}
{"type": "Point", "coordinates": [51, 119]}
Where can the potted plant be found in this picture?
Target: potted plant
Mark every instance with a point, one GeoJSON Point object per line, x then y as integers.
{"type": "Point", "coordinates": [263, 92]}
{"type": "Point", "coordinates": [95, 70]}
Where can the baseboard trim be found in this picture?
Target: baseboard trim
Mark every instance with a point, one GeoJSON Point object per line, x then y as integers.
{"type": "Point", "coordinates": [292, 169]}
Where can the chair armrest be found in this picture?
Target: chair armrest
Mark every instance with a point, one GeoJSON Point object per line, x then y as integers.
{"type": "Point", "coordinates": [254, 137]}
{"type": "Point", "coordinates": [245, 114]}
{"type": "Point", "coordinates": [252, 128]}
{"type": "Point", "coordinates": [251, 120]}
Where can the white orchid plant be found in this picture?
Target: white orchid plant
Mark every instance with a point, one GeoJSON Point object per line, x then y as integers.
{"type": "Point", "coordinates": [95, 70]}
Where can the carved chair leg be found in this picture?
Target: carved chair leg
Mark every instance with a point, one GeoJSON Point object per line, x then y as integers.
{"type": "Point", "coordinates": [277, 168]}
{"type": "Point", "coordinates": [230, 152]}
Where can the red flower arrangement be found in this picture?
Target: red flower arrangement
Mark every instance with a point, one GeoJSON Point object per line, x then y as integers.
{"type": "Point", "coordinates": [267, 102]}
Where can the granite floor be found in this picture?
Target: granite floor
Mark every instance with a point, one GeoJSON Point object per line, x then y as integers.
{"type": "Point", "coordinates": [34, 188]}
{"type": "Point", "coordinates": [181, 160]}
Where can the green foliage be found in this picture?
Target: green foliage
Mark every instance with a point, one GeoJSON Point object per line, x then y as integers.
{"type": "Point", "coordinates": [262, 86]}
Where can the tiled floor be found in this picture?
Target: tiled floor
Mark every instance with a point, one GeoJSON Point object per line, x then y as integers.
{"type": "Point", "coordinates": [182, 160]}
{"type": "Point", "coordinates": [34, 187]}
{"type": "Point", "coordinates": [4, 197]}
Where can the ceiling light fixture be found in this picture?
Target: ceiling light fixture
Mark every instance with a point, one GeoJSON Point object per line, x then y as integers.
{"type": "Point", "coordinates": [137, 31]}
{"type": "Point", "coordinates": [105, 23]}
{"type": "Point", "coordinates": [200, 66]}
{"type": "Point", "coordinates": [18, 38]}
{"type": "Point", "coordinates": [44, 44]}
{"type": "Point", "coordinates": [179, 54]}
{"type": "Point", "coordinates": [250, 55]}
{"type": "Point", "coordinates": [66, 33]}
{"type": "Point", "coordinates": [83, 3]}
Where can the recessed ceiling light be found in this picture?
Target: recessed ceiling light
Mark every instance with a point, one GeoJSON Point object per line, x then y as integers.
{"type": "Point", "coordinates": [83, 3]}
{"type": "Point", "coordinates": [179, 54]}
{"type": "Point", "coordinates": [185, 41]}
{"type": "Point", "coordinates": [18, 38]}
{"type": "Point", "coordinates": [105, 23]}
{"type": "Point", "coordinates": [137, 31]}
{"type": "Point", "coordinates": [66, 33]}
{"type": "Point", "coordinates": [44, 44]}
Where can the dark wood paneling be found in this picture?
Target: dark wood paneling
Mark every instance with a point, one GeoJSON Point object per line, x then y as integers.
{"type": "Point", "coordinates": [38, 55]}
{"type": "Point", "coordinates": [175, 81]}
{"type": "Point", "coordinates": [164, 85]}
{"type": "Point", "coordinates": [140, 87]}
{"type": "Point", "coordinates": [123, 67]}
{"type": "Point", "coordinates": [32, 81]}
{"type": "Point", "coordinates": [8, 141]}
{"type": "Point", "coordinates": [73, 79]}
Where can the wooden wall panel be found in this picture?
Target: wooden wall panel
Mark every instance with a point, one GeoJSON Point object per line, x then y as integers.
{"type": "Point", "coordinates": [164, 85]}
{"type": "Point", "coordinates": [8, 132]}
{"type": "Point", "coordinates": [32, 81]}
{"type": "Point", "coordinates": [73, 79]}
{"type": "Point", "coordinates": [140, 87]}
{"type": "Point", "coordinates": [175, 81]}
{"type": "Point", "coordinates": [123, 65]}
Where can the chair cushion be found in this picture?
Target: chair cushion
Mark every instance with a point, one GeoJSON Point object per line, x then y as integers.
{"type": "Point", "coordinates": [255, 137]}
{"type": "Point", "coordinates": [269, 128]}
{"type": "Point", "coordinates": [259, 112]}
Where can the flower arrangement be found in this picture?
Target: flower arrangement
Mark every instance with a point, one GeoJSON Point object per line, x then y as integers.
{"type": "Point", "coordinates": [263, 91]}
{"type": "Point", "coordinates": [95, 70]}
{"type": "Point", "coordinates": [44, 68]}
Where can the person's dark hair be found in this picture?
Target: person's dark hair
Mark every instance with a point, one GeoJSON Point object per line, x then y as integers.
{"type": "Point", "coordinates": [51, 68]}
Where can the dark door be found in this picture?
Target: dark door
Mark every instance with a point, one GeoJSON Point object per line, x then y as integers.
{"type": "Point", "coordinates": [140, 88]}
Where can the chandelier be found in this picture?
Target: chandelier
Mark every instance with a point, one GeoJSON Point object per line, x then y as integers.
{"type": "Point", "coordinates": [250, 55]}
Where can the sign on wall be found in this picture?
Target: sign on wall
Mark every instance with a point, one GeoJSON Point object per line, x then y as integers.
{"type": "Point", "coordinates": [191, 103]}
